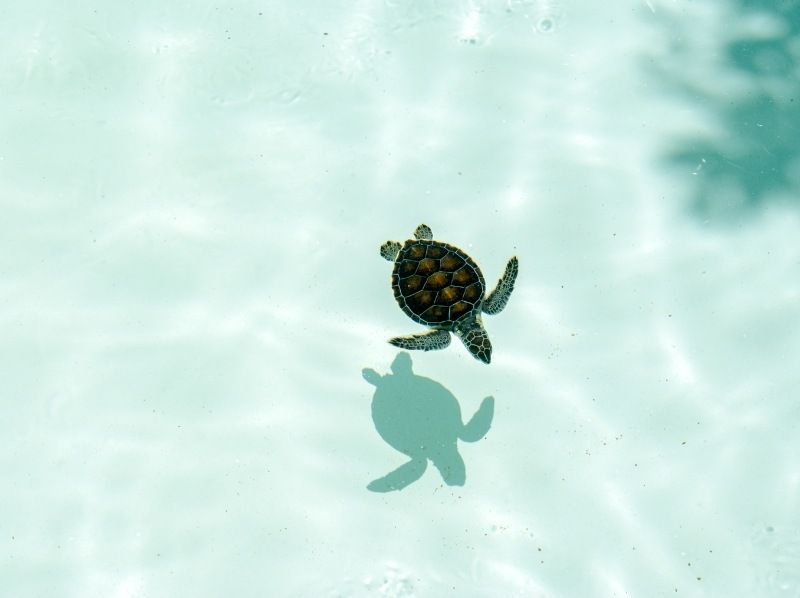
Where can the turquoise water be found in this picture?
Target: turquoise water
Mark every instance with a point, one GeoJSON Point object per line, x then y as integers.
{"type": "Point", "coordinates": [193, 198]}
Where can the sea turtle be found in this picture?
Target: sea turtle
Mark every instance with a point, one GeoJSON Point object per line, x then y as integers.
{"type": "Point", "coordinates": [440, 286]}
{"type": "Point", "coordinates": [422, 419]}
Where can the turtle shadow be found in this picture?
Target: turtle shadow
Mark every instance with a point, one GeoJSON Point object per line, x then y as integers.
{"type": "Point", "coordinates": [422, 419]}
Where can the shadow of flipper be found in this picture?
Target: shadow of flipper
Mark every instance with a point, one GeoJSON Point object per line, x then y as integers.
{"type": "Point", "coordinates": [452, 468]}
{"type": "Point", "coordinates": [480, 423]}
{"type": "Point", "coordinates": [400, 477]}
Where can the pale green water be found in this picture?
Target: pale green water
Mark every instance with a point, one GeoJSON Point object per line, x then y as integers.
{"type": "Point", "coordinates": [193, 196]}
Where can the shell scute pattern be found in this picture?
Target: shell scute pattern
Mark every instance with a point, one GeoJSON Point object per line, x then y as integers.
{"type": "Point", "coordinates": [460, 308]}
{"type": "Point", "coordinates": [427, 266]}
{"type": "Point", "coordinates": [436, 283]}
{"type": "Point", "coordinates": [411, 285]}
{"type": "Point", "coordinates": [435, 252]}
{"type": "Point", "coordinates": [407, 268]}
{"type": "Point", "coordinates": [449, 295]}
{"type": "Point", "coordinates": [419, 302]}
{"type": "Point", "coordinates": [465, 275]}
{"type": "Point", "coordinates": [436, 313]}
{"type": "Point", "coordinates": [451, 262]}
{"type": "Point", "coordinates": [473, 292]}
{"type": "Point", "coordinates": [414, 250]}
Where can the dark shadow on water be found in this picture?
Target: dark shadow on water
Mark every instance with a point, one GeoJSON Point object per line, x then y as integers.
{"type": "Point", "coordinates": [422, 419]}
{"type": "Point", "coordinates": [756, 159]}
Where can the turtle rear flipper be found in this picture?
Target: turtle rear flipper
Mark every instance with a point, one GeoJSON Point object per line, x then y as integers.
{"type": "Point", "coordinates": [400, 477]}
{"type": "Point", "coordinates": [498, 298]}
{"type": "Point", "coordinates": [479, 425]}
{"type": "Point", "coordinates": [427, 341]}
{"type": "Point", "coordinates": [389, 250]}
{"type": "Point", "coordinates": [423, 232]}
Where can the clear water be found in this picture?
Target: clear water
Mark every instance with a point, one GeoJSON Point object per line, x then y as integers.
{"type": "Point", "coordinates": [193, 196]}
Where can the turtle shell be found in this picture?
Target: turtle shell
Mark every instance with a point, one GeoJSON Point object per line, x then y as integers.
{"type": "Point", "coordinates": [436, 284]}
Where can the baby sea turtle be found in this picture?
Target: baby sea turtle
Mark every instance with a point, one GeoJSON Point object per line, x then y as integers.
{"type": "Point", "coordinates": [422, 419]}
{"type": "Point", "coordinates": [440, 286]}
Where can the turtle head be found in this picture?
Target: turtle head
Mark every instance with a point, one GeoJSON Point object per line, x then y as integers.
{"type": "Point", "coordinates": [389, 250]}
{"type": "Point", "coordinates": [472, 333]}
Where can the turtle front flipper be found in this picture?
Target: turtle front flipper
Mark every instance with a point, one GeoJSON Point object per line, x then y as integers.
{"type": "Point", "coordinates": [400, 477]}
{"type": "Point", "coordinates": [423, 232]}
{"type": "Point", "coordinates": [427, 341]}
{"type": "Point", "coordinates": [498, 298]}
{"type": "Point", "coordinates": [480, 423]}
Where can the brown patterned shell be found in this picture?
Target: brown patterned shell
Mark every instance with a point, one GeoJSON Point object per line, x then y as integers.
{"type": "Point", "coordinates": [436, 284]}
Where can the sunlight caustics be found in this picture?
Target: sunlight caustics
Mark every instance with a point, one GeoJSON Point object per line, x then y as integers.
{"type": "Point", "coordinates": [195, 308]}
